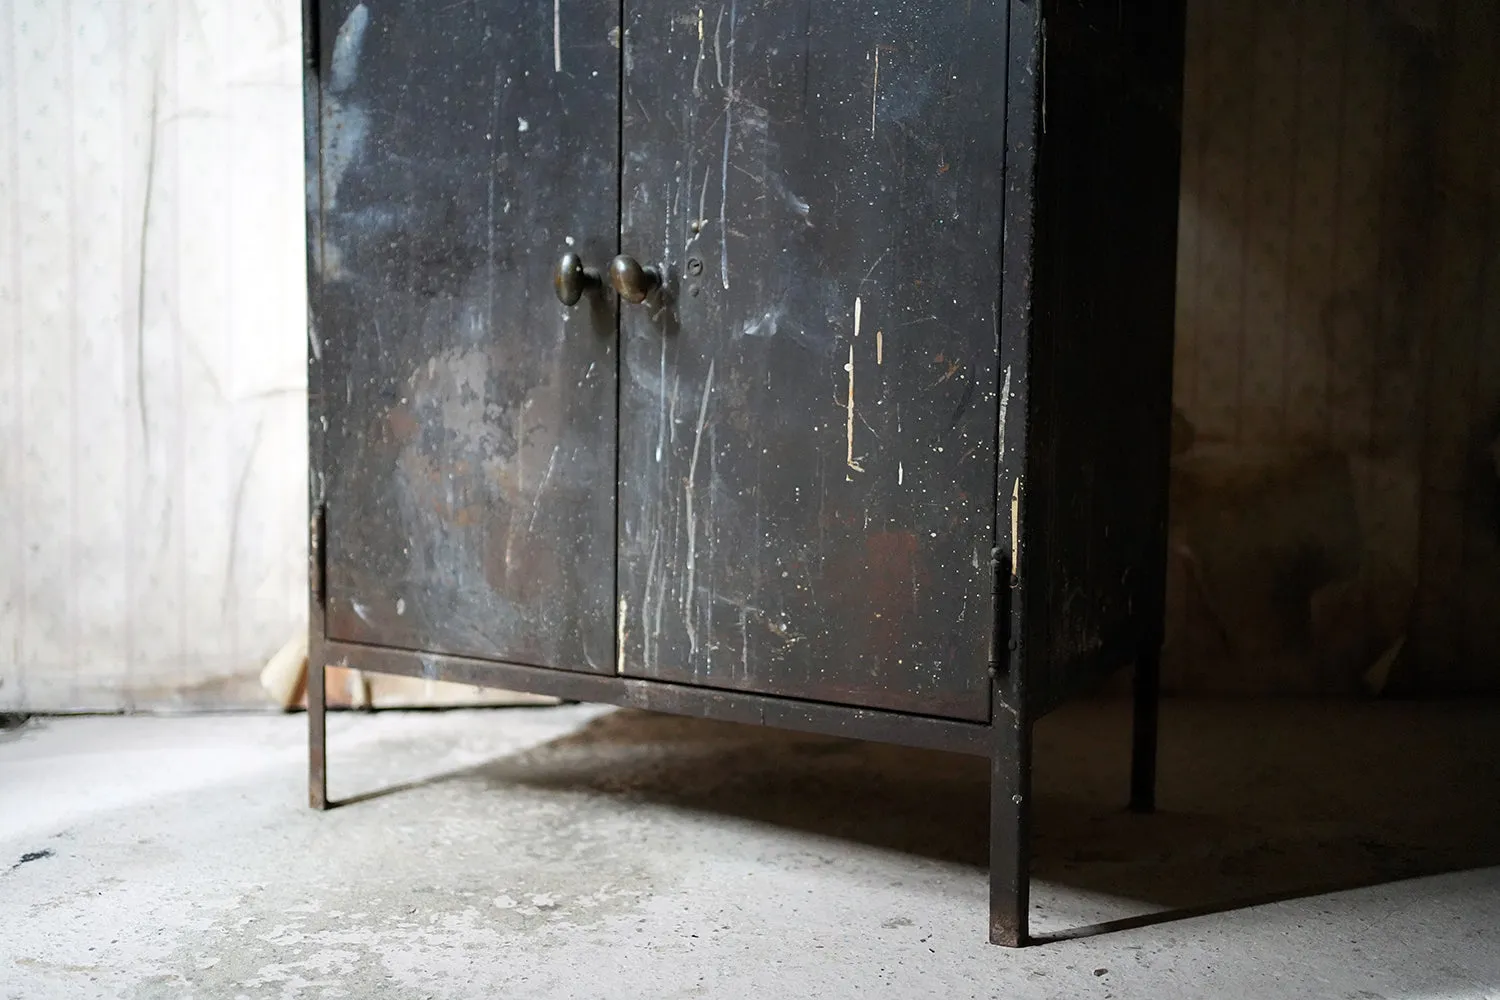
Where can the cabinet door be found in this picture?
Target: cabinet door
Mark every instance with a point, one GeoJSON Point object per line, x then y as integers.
{"type": "Point", "coordinates": [808, 416]}
{"type": "Point", "coordinates": [468, 461]}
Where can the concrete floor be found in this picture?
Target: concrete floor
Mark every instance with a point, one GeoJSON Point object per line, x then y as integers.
{"type": "Point", "coordinates": [582, 852]}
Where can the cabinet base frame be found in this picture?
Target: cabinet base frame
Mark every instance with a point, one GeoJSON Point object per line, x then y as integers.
{"type": "Point", "coordinates": [1006, 740]}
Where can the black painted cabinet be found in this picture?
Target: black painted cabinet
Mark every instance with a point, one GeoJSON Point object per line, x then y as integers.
{"type": "Point", "coordinates": [797, 363]}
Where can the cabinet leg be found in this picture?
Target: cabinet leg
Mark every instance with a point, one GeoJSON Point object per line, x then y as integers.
{"type": "Point", "coordinates": [1143, 737]}
{"type": "Point", "coordinates": [317, 737]}
{"type": "Point", "coordinates": [1010, 828]}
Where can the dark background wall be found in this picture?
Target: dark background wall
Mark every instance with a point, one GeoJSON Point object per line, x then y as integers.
{"type": "Point", "coordinates": [1336, 499]}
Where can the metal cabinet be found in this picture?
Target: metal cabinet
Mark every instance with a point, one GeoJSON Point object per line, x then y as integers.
{"type": "Point", "coordinates": [798, 363]}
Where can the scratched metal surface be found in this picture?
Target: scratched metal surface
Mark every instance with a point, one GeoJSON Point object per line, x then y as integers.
{"type": "Point", "coordinates": [470, 441]}
{"type": "Point", "coordinates": [808, 420]}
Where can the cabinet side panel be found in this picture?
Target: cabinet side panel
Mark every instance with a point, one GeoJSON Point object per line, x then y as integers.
{"type": "Point", "coordinates": [1095, 491]}
{"type": "Point", "coordinates": [1014, 421]}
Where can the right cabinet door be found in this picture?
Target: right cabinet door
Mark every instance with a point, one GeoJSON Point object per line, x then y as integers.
{"type": "Point", "coordinates": [808, 417]}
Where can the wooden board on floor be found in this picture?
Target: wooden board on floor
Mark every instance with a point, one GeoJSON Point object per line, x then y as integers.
{"type": "Point", "coordinates": [356, 689]}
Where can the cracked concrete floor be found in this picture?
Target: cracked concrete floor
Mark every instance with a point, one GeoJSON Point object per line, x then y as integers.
{"type": "Point", "coordinates": [584, 852]}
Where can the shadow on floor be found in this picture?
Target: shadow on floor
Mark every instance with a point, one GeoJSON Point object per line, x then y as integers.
{"type": "Point", "coordinates": [1258, 802]}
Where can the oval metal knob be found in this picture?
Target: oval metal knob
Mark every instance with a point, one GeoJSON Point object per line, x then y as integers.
{"type": "Point", "coordinates": [572, 279]}
{"type": "Point", "coordinates": [631, 280]}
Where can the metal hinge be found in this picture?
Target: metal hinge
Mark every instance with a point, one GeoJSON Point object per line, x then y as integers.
{"type": "Point", "coordinates": [317, 559]}
{"type": "Point", "coordinates": [1001, 584]}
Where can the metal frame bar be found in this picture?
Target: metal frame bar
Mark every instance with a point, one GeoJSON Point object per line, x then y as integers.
{"type": "Point", "coordinates": [882, 726]}
{"type": "Point", "coordinates": [1010, 826]}
{"type": "Point", "coordinates": [317, 735]}
{"type": "Point", "coordinates": [1146, 691]}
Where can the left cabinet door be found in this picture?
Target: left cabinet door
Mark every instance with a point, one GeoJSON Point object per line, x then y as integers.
{"type": "Point", "coordinates": [463, 418]}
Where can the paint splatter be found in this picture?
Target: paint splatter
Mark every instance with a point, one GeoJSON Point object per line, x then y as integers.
{"type": "Point", "coordinates": [31, 856]}
{"type": "Point", "coordinates": [849, 456]}
{"type": "Point", "coordinates": [557, 36]}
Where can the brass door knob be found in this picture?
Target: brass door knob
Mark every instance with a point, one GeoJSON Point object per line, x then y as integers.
{"type": "Point", "coordinates": [631, 280]}
{"type": "Point", "coordinates": [572, 279]}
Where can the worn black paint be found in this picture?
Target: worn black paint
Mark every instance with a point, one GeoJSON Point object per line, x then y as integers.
{"type": "Point", "coordinates": [1000, 201]}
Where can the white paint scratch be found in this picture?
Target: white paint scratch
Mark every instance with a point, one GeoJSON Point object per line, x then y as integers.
{"type": "Point", "coordinates": [621, 634]}
{"type": "Point", "coordinates": [661, 604]}
{"type": "Point", "coordinates": [724, 203]}
{"type": "Point", "coordinates": [900, 474]}
{"type": "Point", "coordinates": [675, 190]}
{"type": "Point", "coordinates": [863, 281]}
{"type": "Point", "coordinates": [672, 408]}
{"type": "Point", "coordinates": [692, 521]}
{"type": "Point", "coordinates": [703, 198]}
{"type": "Point", "coordinates": [874, 91]}
{"type": "Point", "coordinates": [849, 456]}
{"type": "Point", "coordinates": [724, 167]}
{"type": "Point", "coordinates": [694, 226]}
{"type": "Point", "coordinates": [1004, 405]}
{"type": "Point", "coordinates": [1015, 528]}
{"type": "Point", "coordinates": [661, 391]}
{"type": "Point", "coordinates": [744, 643]}
{"type": "Point", "coordinates": [557, 36]}
{"type": "Point", "coordinates": [541, 488]}
{"type": "Point", "coordinates": [880, 347]}
{"type": "Point", "coordinates": [718, 52]}
{"type": "Point", "coordinates": [698, 69]}
{"type": "Point", "coordinates": [646, 633]}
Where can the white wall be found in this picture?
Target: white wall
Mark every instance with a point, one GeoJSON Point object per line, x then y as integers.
{"type": "Point", "coordinates": [152, 307]}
